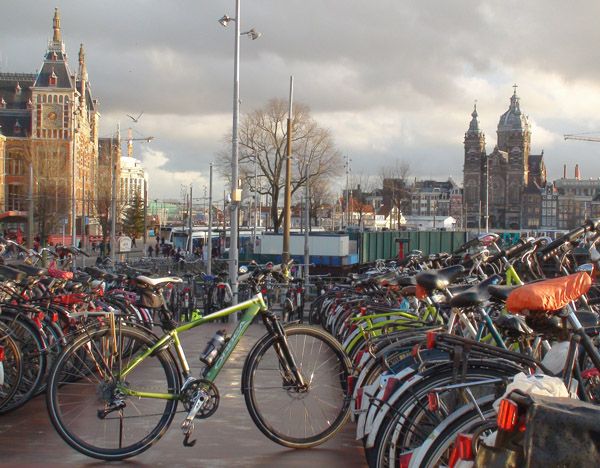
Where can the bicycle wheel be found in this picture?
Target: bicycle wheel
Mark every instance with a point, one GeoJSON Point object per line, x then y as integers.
{"type": "Point", "coordinates": [12, 369]}
{"type": "Point", "coordinates": [285, 413]}
{"type": "Point", "coordinates": [435, 452]}
{"type": "Point", "coordinates": [87, 399]}
{"type": "Point", "coordinates": [34, 358]}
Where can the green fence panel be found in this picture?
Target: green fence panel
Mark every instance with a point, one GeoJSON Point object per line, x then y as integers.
{"type": "Point", "coordinates": [435, 241]}
{"type": "Point", "coordinates": [387, 244]}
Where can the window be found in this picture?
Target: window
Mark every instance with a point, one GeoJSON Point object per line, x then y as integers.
{"type": "Point", "coordinates": [15, 165]}
{"type": "Point", "coordinates": [15, 197]}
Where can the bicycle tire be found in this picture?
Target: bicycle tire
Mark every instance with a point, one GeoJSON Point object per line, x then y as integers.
{"type": "Point", "coordinates": [431, 453]}
{"type": "Point", "coordinates": [413, 404]}
{"type": "Point", "coordinates": [12, 366]}
{"type": "Point", "coordinates": [33, 357]}
{"type": "Point", "coordinates": [335, 387]}
{"type": "Point", "coordinates": [93, 390]}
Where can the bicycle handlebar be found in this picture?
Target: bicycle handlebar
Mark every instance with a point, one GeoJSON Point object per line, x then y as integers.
{"type": "Point", "coordinates": [548, 251]}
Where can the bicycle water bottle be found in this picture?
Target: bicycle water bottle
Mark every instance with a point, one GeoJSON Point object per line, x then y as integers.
{"type": "Point", "coordinates": [213, 348]}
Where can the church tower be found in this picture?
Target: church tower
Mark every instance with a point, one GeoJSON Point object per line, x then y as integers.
{"type": "Point", "coordinates": [514, 138]}
{"type": "Point", "coordinates": [473, 170]}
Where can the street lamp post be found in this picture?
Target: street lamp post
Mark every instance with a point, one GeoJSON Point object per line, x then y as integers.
{"type": "Point", "coordinates": [235, 192]}
{"type": "Point", "coordinates": [73, 181]}
{"type": "Point", "coordinates": [487, 194]}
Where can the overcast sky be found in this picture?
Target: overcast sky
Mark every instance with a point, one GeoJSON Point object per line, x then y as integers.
{"type": "Point", "coordinates": [391, 79]}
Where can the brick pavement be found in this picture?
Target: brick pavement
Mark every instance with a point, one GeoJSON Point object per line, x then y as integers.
{"type": "Point", "coordinates": [228, 438]}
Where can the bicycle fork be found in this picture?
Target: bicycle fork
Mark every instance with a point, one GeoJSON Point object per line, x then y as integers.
{"type": "Point", "coordinates": [286, 360]}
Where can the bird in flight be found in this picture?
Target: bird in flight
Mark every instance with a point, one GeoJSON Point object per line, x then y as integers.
{"type": "Point", "coordinates": [135, 119]}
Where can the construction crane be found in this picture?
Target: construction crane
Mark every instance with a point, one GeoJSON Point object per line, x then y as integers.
{"type": "Point", "coordinates": [583, 137]}
{"type": "Point", "coordinates": [130, 141]}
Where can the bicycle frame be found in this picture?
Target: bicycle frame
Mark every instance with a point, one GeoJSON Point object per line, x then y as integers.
{"type": "Point", "coordinates": [251, 307]}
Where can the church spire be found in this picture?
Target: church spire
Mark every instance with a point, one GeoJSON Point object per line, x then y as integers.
{"type": "Point", "coordinates": [514, 101]}
{"type": "Point", "coordinates": [474, 125]}
{"type": "Point", "coordinates": [82, 68]}
{"type": "Point", "coordinates": [56, 26]}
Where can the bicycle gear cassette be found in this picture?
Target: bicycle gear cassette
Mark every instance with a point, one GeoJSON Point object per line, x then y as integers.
{"type": "Point", "coordinates": [201, 388]}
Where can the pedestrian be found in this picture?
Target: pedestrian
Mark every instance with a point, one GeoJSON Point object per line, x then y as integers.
{"type": "Point", "coordinates": [150, 251]}
{"type": "Point", "coordinates": [133, 241]}
{"type": "Point", "coordinates": [94, 245]}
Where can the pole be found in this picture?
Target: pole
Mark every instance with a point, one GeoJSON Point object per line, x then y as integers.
{"type": "Point", "coordinates": [487, 194]}
{"type": "Point", "coordinates": [190, 224]}
{"type": "Point", "coordinates": [145, 216]}
{"type": "Point", "coordinates": [30, 209]}
{"type": "Point", "coordinates": [255, 203]}
{"type": "Point", "coordinates": [210, 220]}
{"type": "Point", "coordinates": [233, 246]}
{"type": "Point", "coordinates": [347, 191]}
{"type": "Point", "coordinates": [73, 181]}
{"type": "Point", "coordinates": [83, 212]}
{"type": "Point", "coordinates": [287, 205]}
{"type": "Point", "coordinates": [306, 235]}
{"type": "Point", "coordinates": [113, 198]}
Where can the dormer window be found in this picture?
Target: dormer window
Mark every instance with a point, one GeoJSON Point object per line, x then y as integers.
{"type": "Point", "coordinates": [52, 80]}
{"type": "Point", "coordinates": [54, 57]}
{"type": "Point", "coordinates": [29, 104]}
{"type": "Point", "coordinates": [17, 128]}
{"type": "Point", "coordinates": [2, 104]}
{"type": "Point", "coordinates": [18, 88]}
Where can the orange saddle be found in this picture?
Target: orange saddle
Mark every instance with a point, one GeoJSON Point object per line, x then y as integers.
{"type": "Point", "coordinates": [549, 295]}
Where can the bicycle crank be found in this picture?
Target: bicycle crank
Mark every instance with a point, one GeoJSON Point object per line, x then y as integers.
{"type": "Point", "coordinates": [198, 401]}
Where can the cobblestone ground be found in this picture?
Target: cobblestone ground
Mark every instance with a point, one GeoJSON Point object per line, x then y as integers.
{"type": "Point", "coordinates": [228, 438]}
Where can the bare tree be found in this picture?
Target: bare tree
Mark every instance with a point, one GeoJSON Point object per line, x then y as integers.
{"type": "Point", "coordinates": [263, 135]}
{"type": "Point", "coordinates": [361, 184]}
{"type": "Point", "coordinates": [396, 187]}
{"type": "Point", "coordinates": [109, 153]}
{"type": "Point", "coordinates": [320, 195]}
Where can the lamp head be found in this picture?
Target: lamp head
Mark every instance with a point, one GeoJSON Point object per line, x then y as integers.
{"type": "Point", "coordinates": [253, 34]}
{"type": "Point", "coordinates": [225, 20]}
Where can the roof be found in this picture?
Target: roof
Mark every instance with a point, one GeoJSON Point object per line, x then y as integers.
{"type": "Point", "coordinates": [15, 89]}
{"type": "Point", "coordinates": [513, 118]}
{"type": "Point", "coordinates": [60, 69]}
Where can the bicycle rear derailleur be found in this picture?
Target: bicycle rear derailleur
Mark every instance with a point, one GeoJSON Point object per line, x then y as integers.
{"type": "Point", "coordinates": [201, 399]}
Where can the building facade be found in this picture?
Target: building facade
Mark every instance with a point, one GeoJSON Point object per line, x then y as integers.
{"type": "Point", "coordinates": [497, 183]}
{"type": "Point", "coordinates": [134, 180]}
{"type": "Point", "coordinates": [50, 121]}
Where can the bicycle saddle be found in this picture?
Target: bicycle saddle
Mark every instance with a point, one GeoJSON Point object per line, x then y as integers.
{"type": "Point", "coordinates": [501, 292]}
{"type": "Point", "coordinates": [513, 324]}
{"type": "Point", "coordinates": [31, 270]}
{"type": "Point", "coordinates": [407, 281]}
{"type": "Point", "coordinates": [12, 274]}
{"type": "Point", "coordinates": [475, 295]}
{"type": "Point", "coordinates": [154, 282]}
{"type": "Point", "coordinates": [439, 279]}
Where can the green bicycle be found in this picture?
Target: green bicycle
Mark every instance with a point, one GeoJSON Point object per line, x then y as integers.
{"type": "Point", "coordinates": [115, 390]}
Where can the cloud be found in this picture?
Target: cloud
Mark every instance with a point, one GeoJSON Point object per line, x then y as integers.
{"type": "Point", "coordinates": [165, 182]}
{"type": "Point", "coordinates": [390, 79]}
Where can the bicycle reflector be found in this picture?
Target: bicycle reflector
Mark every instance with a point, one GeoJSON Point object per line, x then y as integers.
{"type": "Point", "coordinates": [404, 460]}
{"type": "Point", "coordinates": [433, 401]}
{"type": "Point", "coordinates": [351, 384]}
{"type": "Point", "coordinates": [358, 400]}
{"type": "Point", "coordinates": [508, 415]}
{"type": "Point", "coordinates": [462, 450]}
{"type": "Point", "coordinates": [431, 339]}
{"type": "Point", "coordinates": [420, 292]}
{"type": "Point", "coordinates": [2, 354]}
{"type": "Point", "coordinates": [390, 386]}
